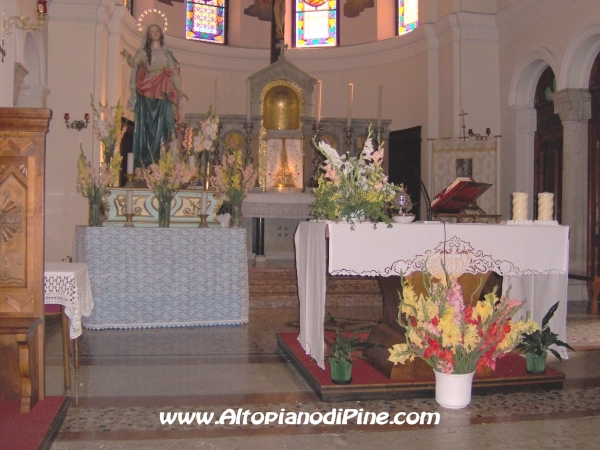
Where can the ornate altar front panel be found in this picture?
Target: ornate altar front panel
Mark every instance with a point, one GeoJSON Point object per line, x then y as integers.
{"type": "Point", "coordinates": [185, 208]}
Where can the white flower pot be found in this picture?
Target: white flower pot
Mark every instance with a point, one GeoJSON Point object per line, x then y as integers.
{"type": "Point", "coordinates": [453, 390]}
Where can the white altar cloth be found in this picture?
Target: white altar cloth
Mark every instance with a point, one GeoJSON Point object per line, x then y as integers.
{"type": "Point", "coordinates": [532, 259]}
{"type": "Point", "coordinates": [68, 284]}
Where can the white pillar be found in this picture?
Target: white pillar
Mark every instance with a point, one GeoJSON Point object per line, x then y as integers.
{"type": "Point", "coordinates": [574, 108]}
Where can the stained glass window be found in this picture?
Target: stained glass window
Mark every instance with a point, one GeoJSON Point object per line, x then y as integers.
{"type": "Point", "coordinates": [205, 20]}
{"type": "Point", "coordinates": [408, 16]}
{"type": "Point", "coordinates": [316, 23]}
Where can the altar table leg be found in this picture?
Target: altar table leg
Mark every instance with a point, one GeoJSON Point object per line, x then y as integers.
{"type": "Point", "coordinates": [64, 325]}
{"type": "Point", "coordinates": [258, 246]}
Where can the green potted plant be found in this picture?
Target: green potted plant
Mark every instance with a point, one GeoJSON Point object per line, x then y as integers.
{"type": "Point", "coordinates": [536, 345]}
{"type": "Point", "coordinates": [341, 353]}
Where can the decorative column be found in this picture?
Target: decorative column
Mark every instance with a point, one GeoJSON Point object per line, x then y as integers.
{"type": "Point", "coordinates": [574, 108]}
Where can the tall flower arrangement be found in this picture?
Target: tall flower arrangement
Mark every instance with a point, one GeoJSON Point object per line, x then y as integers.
{"type": "Point", "coordinates": [95, 186]}
{"type": "Point", "coordinates": [107, 127]}
{"type": "Point", "coordinates": [164, 180]}
{"type": "Point", "coordinates": [208, 131]}
{"type": "Point", "coordinates": [353, 187]}
{"type": "Point", "coordinates": [451, 337]}
{"type": "Point", "coordinates": [234, 179]}
{"type": "Point", "coordinates": [205, 142]}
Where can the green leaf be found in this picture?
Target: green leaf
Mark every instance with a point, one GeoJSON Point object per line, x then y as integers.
{"type": "Point", "coordinates": [555, 353]}
{"type": "Point", "coordinates": [549, 315]}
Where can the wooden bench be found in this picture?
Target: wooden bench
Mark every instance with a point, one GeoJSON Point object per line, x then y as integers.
{"type": "Point", "coordinates": [25, 382]}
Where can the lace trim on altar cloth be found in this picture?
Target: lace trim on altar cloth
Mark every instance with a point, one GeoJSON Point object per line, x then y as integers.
{"type": "Point", "coordinates": [128, 326]}
{"type": "Point", "coordinates": [457, 256]}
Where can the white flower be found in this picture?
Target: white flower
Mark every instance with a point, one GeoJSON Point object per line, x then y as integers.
{"type": "Point", "coordinates": [367, 153]}
{"type": "Point", "coordinates": [197, 142]}
{"type": "Point", "coordinates": [331, 153]}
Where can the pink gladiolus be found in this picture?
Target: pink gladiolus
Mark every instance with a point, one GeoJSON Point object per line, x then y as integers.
{"type": "Point", "coordinates": [456, 300]}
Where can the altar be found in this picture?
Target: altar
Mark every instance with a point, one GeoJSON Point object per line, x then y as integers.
{"type": "Point", "coordinates": [164, 277]}
{"type": "Point", "coordinates": [533, 261]}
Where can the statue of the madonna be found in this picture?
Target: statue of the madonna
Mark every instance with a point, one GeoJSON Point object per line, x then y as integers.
{"type": "Point", "coordinates": [156, 96]}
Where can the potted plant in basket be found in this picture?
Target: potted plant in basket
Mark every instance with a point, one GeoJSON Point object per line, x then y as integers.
{"type": "Point", "coordinates": [536, 344]}
{"type": "Point", "coordinates": [455, 340]}
{"type": "Point", "coordinates": [341, 353]}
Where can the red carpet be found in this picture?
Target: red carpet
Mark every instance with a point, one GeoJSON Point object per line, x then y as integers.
{"type": "Point", "coordinates": [33, 430]}
{"type": "Point", "coordinates": [368, 383]}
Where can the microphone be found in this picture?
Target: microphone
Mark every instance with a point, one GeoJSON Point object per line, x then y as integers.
{"type": "Point", "coordinates": [429, 213]}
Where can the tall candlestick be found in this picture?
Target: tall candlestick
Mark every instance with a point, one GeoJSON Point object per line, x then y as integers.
{"type": "Point", "coordinates": [217, 97]}
{"type": "Point", "coordinates": [318, 106]}
{"type": "Point", "coordinates": [130, 163]}
{"type": "Point", "coordinates": [519, 206]}
{"type": "Point", "coordinates": [379, 104]}
{"type": "Point", "coordinates": [129, 203]}
{"type": "Point", "coordinates": [248, 102]}
{"type": "Point", "coordinates": [350, 96]}
{"type": "Point", "coordinates": [545, 206]}
{"type": "Point", "coordinates": [204, 200]}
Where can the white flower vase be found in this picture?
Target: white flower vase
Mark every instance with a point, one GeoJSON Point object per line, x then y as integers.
{"type": "Point", "coordinates": [224, 220]}
{"type": "Point", "coordinates": [453, 391]}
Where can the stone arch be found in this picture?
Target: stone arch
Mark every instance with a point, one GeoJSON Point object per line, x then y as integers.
{"type": "Point", "coordinates": [526, 76]}
{"type": "Point", "coordinates": [521, 98]}
{"type": "Point", "coordinates": [33, 91]}
{"type": "Point", "coordinates": [579, 59]}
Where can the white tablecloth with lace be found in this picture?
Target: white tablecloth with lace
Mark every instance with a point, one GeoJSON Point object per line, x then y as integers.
{"type": "Point", "coordinates": [533, 261]}
{"type": "Point", "coordinates": [68, 284]}
{"type": "Point", "coordinates": [164, 277]}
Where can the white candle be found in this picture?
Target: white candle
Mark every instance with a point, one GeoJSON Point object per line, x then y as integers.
{"type": "Point", "coordinates": [350, 96]}
{"type": "Point", "coordinates": [130, 163]}
{"type": "Point", "coordinates": [248, 102]}
{"type": "Point", "coordinates": [203, 203]}
{"type": "Point", "coordinates": [129, 203]}
{"type": "Point", "coordinates": [318, 106]}
{"type": "Point", "coordinates": [519, 206]}
{"type": "Point", "coordinates": [192, 161]}
{"type": "Point", "coordinates": [216, 97]}
{"type": "Point", "coordinates": [379, 104]}
{"type": "Point", "coordinates": [545, 206]}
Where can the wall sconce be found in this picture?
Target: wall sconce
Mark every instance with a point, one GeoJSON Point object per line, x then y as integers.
{"type": "Point", "coordinates": [26, 23]}
{"type": "Point", "coordinates": [77, 124]}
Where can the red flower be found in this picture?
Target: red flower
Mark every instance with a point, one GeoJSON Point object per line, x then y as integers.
{"type": "Point", "coordinates": [432, 349]}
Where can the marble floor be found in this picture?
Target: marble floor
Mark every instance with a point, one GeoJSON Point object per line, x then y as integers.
{"type": "Point", "coordinates": [128, 377]}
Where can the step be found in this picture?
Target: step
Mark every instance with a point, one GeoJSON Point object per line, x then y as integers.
{"type": "Point", "coordinates": [273, 287]}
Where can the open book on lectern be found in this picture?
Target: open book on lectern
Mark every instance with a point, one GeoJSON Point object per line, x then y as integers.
{"type": "Point", "coordinates": [460, 197]}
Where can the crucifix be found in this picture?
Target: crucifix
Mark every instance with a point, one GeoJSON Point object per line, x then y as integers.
{"type": "Point", "coordinates": [277, 29]}
{"type": "Point", "coordinates": [463, 114]}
